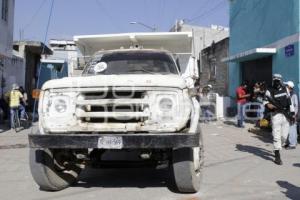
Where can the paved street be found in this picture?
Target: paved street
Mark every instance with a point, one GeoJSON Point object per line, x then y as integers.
{"type": "Point", "coordinates": [238, 165]}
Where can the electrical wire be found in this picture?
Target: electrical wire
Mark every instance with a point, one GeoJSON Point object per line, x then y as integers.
{"type": "Point", "coordinates": [175, 12]}
{"type": "Point", "coordinates": [161, 13]}
{"type": "Point", "coordinates": [40, 65]}
{"type": "Point", "coordinates": [34, 15]}
{"type": "Point", "coordinates": [108, 15]}
{"type": "Point", "coordinates": [208, 12]}
{"type": "Point", "coordinates": [202, 8]}
{"type": "Point", "coordinates": [146, 9]}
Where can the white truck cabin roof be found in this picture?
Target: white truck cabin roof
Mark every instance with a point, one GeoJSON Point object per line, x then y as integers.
{"type": "Point", "coordinates": [175, 42]}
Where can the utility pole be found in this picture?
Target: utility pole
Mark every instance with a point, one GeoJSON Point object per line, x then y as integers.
{"type": "Point", "coordinates": [2, 77]}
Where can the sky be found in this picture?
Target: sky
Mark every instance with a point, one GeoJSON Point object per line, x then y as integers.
{"type": "Point", "coordinates": [80, 17]}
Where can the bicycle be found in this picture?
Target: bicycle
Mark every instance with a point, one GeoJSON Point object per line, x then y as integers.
{"type": "Point", "coordinates": [17, 123]}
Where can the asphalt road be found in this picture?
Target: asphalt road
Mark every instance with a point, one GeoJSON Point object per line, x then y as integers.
{"type": "Point", "coordinates": [238, 165]}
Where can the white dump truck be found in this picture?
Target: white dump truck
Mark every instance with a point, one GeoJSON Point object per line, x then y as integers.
{"type": "Point", "coordinates": [135, 95]}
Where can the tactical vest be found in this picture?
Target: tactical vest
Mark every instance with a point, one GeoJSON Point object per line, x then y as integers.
{"type": "Point", "coordinates": [281, 97]}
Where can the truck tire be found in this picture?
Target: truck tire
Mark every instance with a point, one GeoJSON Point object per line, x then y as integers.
{"type": "Point", "coordinates": [48, 174]}
{"type": "Point", "coordinates": [187, 168]}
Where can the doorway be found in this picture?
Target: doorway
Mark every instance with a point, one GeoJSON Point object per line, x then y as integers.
{"type": "Point", "coordinates": [258, 70]}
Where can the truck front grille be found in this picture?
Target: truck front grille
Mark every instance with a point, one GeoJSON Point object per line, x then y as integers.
{"type": "Point", "coordinates": [112, 107]}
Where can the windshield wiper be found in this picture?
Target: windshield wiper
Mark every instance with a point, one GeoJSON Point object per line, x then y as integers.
{"type": "Point", "coordinates": [142, 70]}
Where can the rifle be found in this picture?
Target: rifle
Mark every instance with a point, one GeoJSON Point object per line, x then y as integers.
{"type": "Point", "coordinates": [289, 115]}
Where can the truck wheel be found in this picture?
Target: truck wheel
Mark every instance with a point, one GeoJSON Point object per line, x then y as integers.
{"type": "Point", "coordinates": [49, 173]}
{"type": "Point", "coordinates": [187, 168]}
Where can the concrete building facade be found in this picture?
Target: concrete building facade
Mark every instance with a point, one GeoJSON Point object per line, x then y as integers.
{"type": "Point", "coordinates": [203, 36]}
{"type": "Point", "coordinates": [264, 39]}
{"type": "Point", "coordinates": [6, 27]}
{"type": "Point", "coordinates": [10, 63]}
{"type": "Point", "coordinates": [214, 71]}
{"type": "Point", "coordinates": [61, 63]}
{"type": "Point", "coordinates": [65, 50]}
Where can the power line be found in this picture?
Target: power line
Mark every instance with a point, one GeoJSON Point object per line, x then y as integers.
{"type": "Point", "coordinates": [108, 15]}
{"type": "Point", "coordinates": [207, 12]}
{"type": "Point", "coordinates": [175, 12]}
{"type": "Point", "coordinates": [43, 51]}
{"type": "Point", "coordinates": [34, 15]}
{"type": "Point", "coordinates": [161, 12]}
{"type": "Point", "coordinates": [202, 8]}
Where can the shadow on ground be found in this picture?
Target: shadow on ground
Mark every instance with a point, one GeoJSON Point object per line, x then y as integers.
{"type": "Point", "coordinates": [292, 191]}
{"type": "Point", "coordinates": [4, 127]}
{"type": "Point", "coordinates": [257, 151]}
{"type": "Point", "coordinates": [126, 178]}
{"type": "Point", "coordinates": [230, 123]}
{"type": "Point", "coordinates": [264, 135]}
{"type": "Point", "coordinates": [296, 165]}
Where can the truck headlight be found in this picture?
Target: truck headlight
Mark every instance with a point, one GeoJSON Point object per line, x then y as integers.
{"type": "Point", "coordinates": [166, 108]}
{"type": "Point", "coordinates": [166, 104]}
{"type": "Point", "coordinates": [58, 104]}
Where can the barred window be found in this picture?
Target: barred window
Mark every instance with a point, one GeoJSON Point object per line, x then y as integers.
{"type": "Point", "coordinates": [4, 10]}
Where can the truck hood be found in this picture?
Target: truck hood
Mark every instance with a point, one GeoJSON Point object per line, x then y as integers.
{"type": "Point", "coordinates": [173, 81]}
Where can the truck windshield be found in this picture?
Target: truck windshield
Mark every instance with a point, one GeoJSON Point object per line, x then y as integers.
{"type": "Point", "coordinates": [131, 62]}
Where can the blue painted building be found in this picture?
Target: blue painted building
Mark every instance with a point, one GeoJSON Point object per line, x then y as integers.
{"type": "Point", "coordinates": [264, 39]}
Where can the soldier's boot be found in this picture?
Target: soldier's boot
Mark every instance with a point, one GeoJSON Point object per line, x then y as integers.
{"type": "Point", "coordinates": [278, 160]}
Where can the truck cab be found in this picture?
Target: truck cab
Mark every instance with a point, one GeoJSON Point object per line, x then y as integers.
{"type": "Point", "coordinates": [134, 94]}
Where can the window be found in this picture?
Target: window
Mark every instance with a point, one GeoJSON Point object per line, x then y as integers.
{"type": "Point", "coordinates": [132, 62]}
{"type": "Point", "coordinates": [4, 10]}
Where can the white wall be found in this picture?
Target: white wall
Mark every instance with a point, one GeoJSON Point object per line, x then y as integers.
{"type": "Point", "coordinates": [204, 36]}
{"type": "Point", "coordinates": [13, 69]}
{"type": "Point", "coordinates": [14, 72]}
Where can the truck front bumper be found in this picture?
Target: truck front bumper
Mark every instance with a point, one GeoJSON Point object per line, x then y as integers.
{"type": "Point", "coordinates": [114, 141]}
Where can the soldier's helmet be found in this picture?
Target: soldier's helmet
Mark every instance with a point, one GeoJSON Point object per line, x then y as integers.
{"type": "Point", "coordinates": [277, 77]}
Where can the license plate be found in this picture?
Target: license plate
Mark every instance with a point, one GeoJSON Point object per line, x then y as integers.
{"type": "Point", "coordinates": [110, 142]}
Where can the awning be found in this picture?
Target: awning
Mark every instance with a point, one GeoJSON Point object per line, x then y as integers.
{"type": "Point", "coordinates": [176, 42]}
{"type": "Point", "coordinates": [252, 54]}
{"type": "Point", "coordinates": [35, 47]}
{"type": "Point", "coordinates": [50, 61]}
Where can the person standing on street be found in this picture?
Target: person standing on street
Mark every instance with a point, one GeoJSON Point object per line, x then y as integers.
{"type": "Point", "coordinates": [13, 98]}
{"type": "Point", "coordinates": [241, 96]}
{"type": "Point", "coordinates": [292, 138]}
{"type": "Point", "coordinates": [278, 101]}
